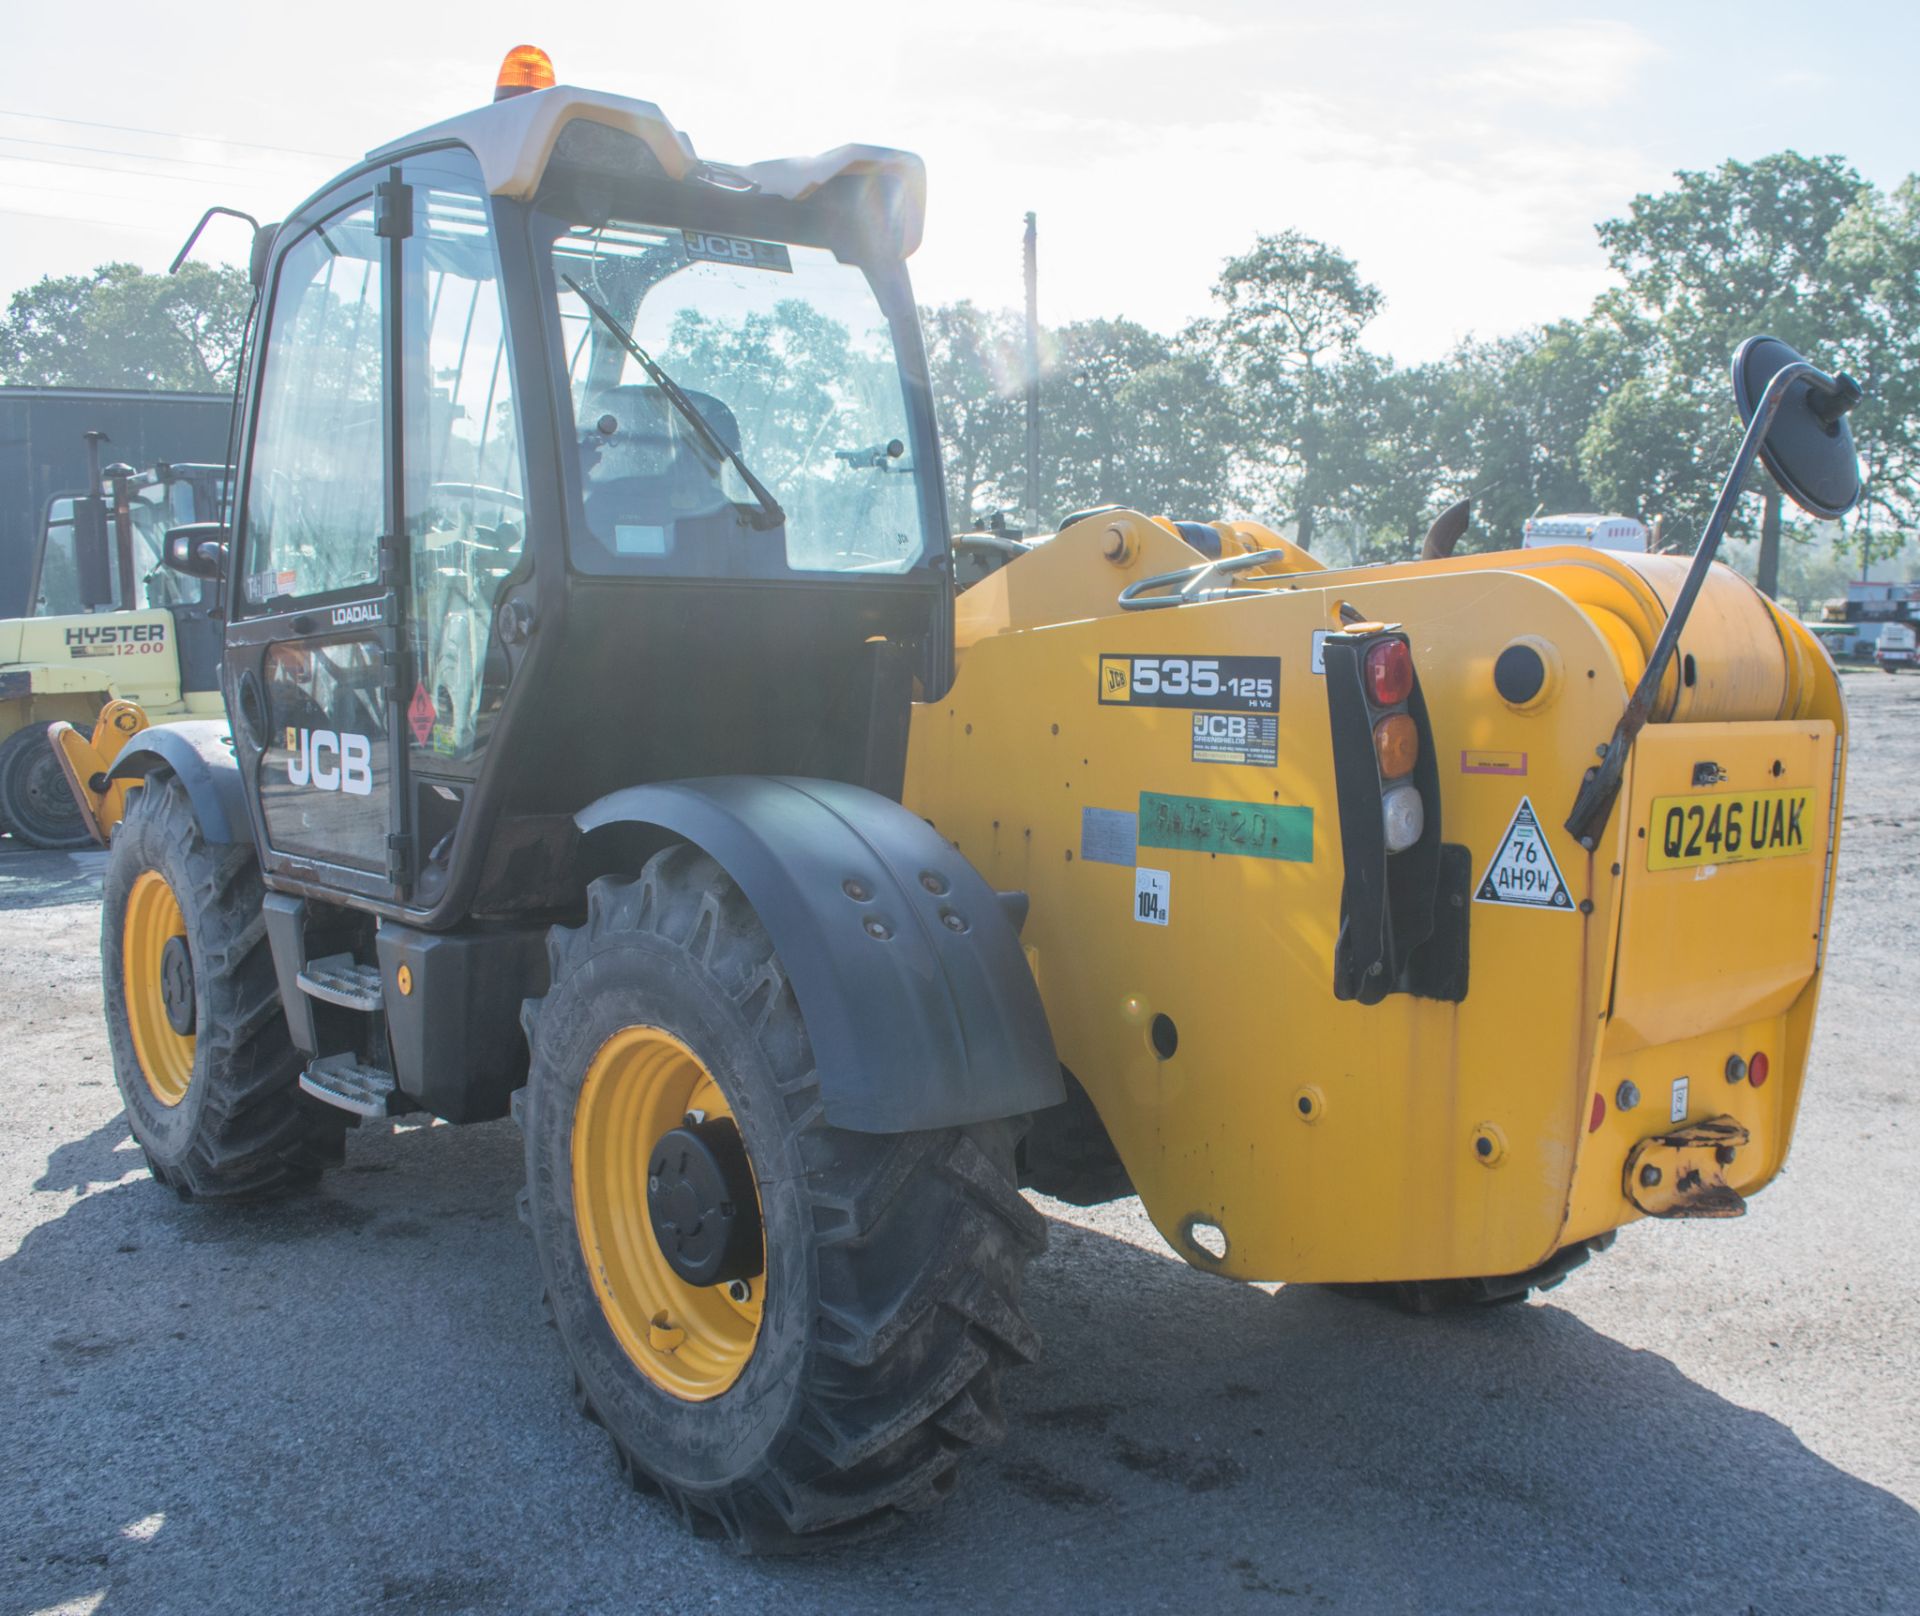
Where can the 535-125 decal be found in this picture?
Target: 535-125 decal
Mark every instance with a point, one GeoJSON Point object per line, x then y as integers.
{"type": "Point", "coordinates": [1228, 684]}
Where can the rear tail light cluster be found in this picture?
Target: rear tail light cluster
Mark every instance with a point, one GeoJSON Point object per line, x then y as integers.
{"type": "Point", "coordinates": [1403, 910]}
{"type": "Point", "coordinates": [1387, 681]}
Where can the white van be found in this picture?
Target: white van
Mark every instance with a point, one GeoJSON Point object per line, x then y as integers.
{"type": "Point", "coordinates": [1602, 532]}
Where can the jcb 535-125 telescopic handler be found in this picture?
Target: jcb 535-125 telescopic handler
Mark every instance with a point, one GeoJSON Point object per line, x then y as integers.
{"type": "Point", "coordinates": [608, 746]}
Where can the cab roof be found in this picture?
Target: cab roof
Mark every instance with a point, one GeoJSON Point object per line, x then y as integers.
{"type": "Point", "coordinates": [513, 141]}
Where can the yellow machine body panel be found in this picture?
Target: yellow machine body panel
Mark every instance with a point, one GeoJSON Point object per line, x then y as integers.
{"type": "Point", "coordinates": [1178, 899]}
{"type": "Point", "coordinates": [70, 667]}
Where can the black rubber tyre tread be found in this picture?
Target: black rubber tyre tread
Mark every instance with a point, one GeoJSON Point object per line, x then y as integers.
{"type": "Point", "coordinates": [1427, 1296]}
{"type": "Point", "coordinates": [244, 1130]}
{"type": "Point", "coordinates": [908, 1249]}
{"type": "Point", "coordinates": [53, 824]}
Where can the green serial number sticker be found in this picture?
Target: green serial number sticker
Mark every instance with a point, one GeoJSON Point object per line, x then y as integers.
{"type": "Point", "coordinates": [1207, 825]}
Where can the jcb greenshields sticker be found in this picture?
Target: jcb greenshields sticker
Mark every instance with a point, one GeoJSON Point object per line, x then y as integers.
{"type": "Point", "coordinates": [1243, 829]}
{"type": "Point", "coordinates": [1233, 684]}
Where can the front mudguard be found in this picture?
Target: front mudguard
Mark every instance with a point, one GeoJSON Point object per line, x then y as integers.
{"type": "Point", "coordinates": [917, 995]}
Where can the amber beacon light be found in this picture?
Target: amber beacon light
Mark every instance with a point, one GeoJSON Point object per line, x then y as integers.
{"type": "Point", "coordinates": [527, 67]}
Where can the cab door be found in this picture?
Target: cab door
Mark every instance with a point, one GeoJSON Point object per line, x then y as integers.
{"type": "Point", "coordinates": [314, 635]}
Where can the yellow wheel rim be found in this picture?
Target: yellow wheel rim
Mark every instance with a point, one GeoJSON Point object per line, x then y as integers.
{"type": "Point", "coordinates": [690, 1340]}
{"type": "Point", "coordinates": [153, 917]}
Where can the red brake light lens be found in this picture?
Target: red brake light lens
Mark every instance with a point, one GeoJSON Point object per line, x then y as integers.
{"type": "Point", "coordinates": [1598, 1114]}
{"type": "Point", "coordinates": [1389, 673]}
{"type": "Point", "coordinates": [1757, 1069]}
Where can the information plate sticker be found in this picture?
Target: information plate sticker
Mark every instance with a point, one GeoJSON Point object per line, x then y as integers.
{"type": "Point", "coordinates": [1107, 836]}
{"type": "Point", "coordinates": [1318, 661]}
{"type": "Point", "coordinates": [738, 250]}
{"type": "Point", "coordinates": [1728, 827]}
{"type": "Point", "coordinates": [1236, 738]}
{"type": "Point", "coordinates": [1480, 762]}
{"type": "Point", "coordinates": [1238, 684]}
{"type": "Point", "coordinates": [1243, 829]}
{"type": "Point", "coordinates": [1152, 896]}
{"type": "Point", "coordinates": [1677, 1111]}
{"type": "Point", "coordinates": [1523, 871]}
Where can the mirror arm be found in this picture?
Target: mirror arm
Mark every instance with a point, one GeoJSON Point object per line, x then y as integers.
{"type": "Point", "coordinates": [1601, 786]}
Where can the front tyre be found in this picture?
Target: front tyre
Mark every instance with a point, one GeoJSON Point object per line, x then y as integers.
{"type": "Point", "coordinates": [201, 1052]}
{"type": "Point", "coordinates": [35, 803]}
{"type": "Point", "coordinates": [791, 1330]}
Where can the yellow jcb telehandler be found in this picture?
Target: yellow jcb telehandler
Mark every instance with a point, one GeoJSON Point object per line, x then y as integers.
{"type": "Point", "coordinates": [608, 745]}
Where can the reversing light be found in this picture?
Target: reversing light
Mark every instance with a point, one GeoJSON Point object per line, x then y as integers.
{"type": "Point", "coordinates": [1403, 816]}
{"type": "Point", "coordinates": [1396, 743]}
{"type": "Point", "coordinates": [1389, 673]}
{"type": "Point", "coordinates": [527, 67]}
{"type": "Point", "coordinates": [1757, 1068]}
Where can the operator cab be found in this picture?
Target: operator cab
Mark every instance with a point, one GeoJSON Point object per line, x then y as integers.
{"type": "Point", "coordinates": [574, 462]}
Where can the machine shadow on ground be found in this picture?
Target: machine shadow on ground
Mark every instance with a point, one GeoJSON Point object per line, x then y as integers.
{"type": "Point", "coordinates": [31, 879]}
{"type": "Point", "coordinates": [341, 1393]}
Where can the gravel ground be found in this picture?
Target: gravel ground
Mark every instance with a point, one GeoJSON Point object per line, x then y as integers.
{"type": "Point", "coordinates": [349, 1403]}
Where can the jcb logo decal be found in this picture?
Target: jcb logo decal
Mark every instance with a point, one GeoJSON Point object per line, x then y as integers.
{"type": "Point", "coordinates": [330, 762]}
{"type": "Point", "coordinates": [1116, 678]}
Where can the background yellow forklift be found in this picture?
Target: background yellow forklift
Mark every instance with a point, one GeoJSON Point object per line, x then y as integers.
{"type": "Point", "coordinates": [607, 746]}
{"type": "Point", "coordinates": [107, 622]}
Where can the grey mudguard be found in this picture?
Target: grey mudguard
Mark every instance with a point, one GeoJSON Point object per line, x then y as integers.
{"type": "Point", "coordinates": [199, 754]}
{"type": "Point", "coordinates": [918, 998]}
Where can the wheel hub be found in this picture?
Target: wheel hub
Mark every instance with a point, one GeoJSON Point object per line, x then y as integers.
{"type": "Point", "coordinates": [176, 985]}
{"type": "Point", "coordinates": [702, 1205]}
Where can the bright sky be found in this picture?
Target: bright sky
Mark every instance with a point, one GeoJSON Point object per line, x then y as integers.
{"type": "Point", "coordinates": [1461, 152]}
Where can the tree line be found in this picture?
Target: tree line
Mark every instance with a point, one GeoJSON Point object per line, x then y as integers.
{"type": "Point", "coordinates": [1273, 406]}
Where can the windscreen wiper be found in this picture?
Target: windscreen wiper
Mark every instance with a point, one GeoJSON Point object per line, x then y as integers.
{"type": "Point", "coordinates": [770, 515]}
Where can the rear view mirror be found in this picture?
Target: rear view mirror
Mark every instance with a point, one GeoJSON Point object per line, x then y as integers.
{"type": "Point", "coordinates": [1809, 448]}
{"type": "Point", "coordinates": [92, 559]}
{"type": "Point", "coordinates": [197, 550]}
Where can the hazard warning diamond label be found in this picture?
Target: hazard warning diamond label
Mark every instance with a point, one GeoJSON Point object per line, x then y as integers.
{"type": "Point", "coordinates": [420, 714]}
{"type": "Point", "coordinates": [1523, 871]}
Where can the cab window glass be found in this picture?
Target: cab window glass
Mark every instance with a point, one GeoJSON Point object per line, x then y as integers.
{"type": "Point", "coordinates": [465, 518]}
{"type": "Point", "coordinates": [59, 574]}
{"type": "Point", "coordinates": [314, 494]}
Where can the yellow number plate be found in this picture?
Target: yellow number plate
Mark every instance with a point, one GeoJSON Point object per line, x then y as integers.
{"type": "Point", "coordinates": [1729, 827]}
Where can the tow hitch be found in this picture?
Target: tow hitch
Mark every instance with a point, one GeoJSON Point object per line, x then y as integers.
{"type": "Point", "coordinates": [1682, 1174]}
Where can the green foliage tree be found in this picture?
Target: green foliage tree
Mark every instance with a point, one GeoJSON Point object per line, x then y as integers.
{"type": "Point", "coordinates": [121, 327]}
{"type": "Point", "coordinates": [1292, 311]}
{"type": "Point", "coordinates": [1724, 253]}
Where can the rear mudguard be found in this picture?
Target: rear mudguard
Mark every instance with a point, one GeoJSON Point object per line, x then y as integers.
{"type": "Point", "coordinates": [917, 994]}
{"type": "Point", "coordinates": [199, 754]}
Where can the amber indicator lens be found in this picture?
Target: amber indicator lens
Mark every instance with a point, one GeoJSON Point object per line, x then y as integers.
{"type": "Point", "coordinates": [1396, 743]}
{"type": "Point", "coordinates": [1389, 673]}
{"type": "Point", "coordinates": [527, 67]}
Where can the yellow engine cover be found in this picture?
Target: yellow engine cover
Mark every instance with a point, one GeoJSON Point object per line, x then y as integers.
{"type": "Point", "coordinates": [1185, 878]}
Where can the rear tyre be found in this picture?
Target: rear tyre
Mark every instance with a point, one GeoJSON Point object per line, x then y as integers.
{"type": "Point", "coordinates": [833, 1382]}
{"type": "Point", "coordinates": [35, 803]}
{"type": "Point", "coordinates": [200, 1046]}
{"type": "Point", "coordinates": [1425, 1296]}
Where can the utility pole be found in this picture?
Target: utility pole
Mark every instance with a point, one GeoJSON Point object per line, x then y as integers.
{"type": "Point", "coordinates": [1032, 264]}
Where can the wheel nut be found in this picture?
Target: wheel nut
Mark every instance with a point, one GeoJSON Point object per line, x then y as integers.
{"type": "Point", "coordinates": [1649, 1176]}
{"type": "Point", "coordinates": [933, 882]}
{"type": "Point", "coordinates": [952, 921]}
{"type": "Point", "coordinates": [1626, 1096]}
{"type": "Point", "coordinates": [739, 1290]}
{"type": "Point", "coordinates": [878, 929]}
{"type": "Point", "coordinates": [856, 889]}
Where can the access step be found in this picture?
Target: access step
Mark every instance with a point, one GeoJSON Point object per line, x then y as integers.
{"type": "Point", "coordinates": [341, 979]}
{"type": "Point", "coordinates": [349, 1083]}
